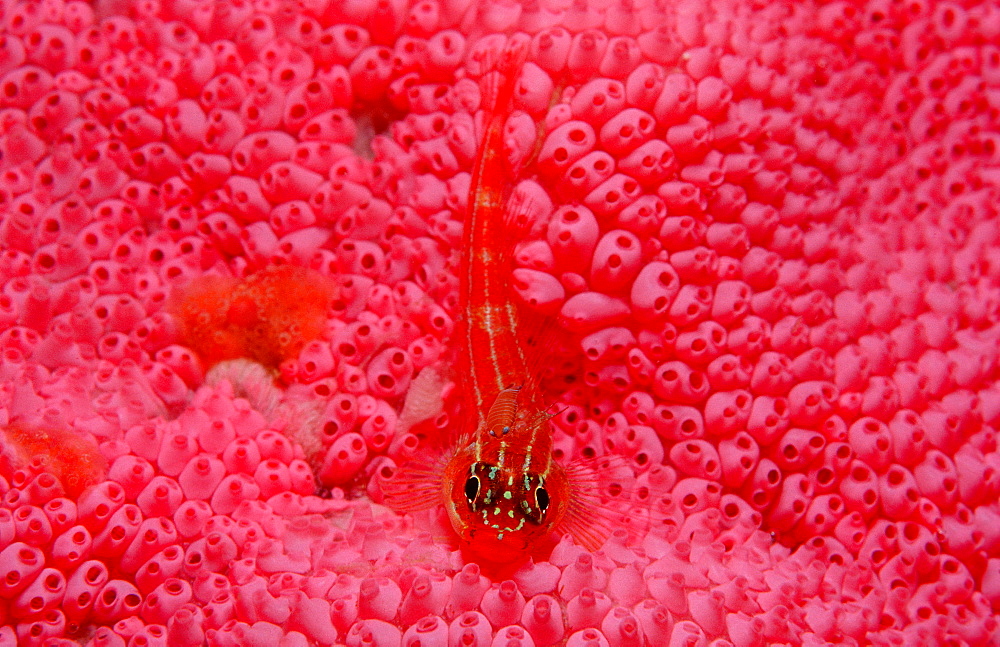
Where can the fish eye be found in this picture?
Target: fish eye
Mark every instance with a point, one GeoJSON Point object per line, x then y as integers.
{"type": "Point", "coordinates": [542, 498]}
{"type": "Point", "coordinates": [472, 488]}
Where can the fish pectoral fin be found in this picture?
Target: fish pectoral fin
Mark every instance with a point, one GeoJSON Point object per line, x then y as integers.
{"type": "Point", "coordinates": [600, 491]}
{"type": "Point", "coordinates": [416, 485]}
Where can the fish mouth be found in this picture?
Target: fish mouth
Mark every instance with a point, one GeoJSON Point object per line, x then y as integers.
{"type": "Point", "coordinates": [498, 546]}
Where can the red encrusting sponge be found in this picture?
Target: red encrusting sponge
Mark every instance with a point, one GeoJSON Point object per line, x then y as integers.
{"type": "Point", "coordinates": [49, 461]}
{"type": "Point", "coordinates": [267, 317]}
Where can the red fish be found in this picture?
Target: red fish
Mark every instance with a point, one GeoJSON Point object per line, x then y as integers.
{"type": "Point", "coordinates": [504, 493]}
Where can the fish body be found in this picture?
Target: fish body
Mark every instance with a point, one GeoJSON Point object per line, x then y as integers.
{"type": "Point", "coordinates": [504, 493]}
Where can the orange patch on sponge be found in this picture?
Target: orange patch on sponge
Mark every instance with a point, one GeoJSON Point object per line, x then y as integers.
{"type": "Point", "coordinates": [267, 317]}
{"type": "Point", "coordinates": [70, 457]}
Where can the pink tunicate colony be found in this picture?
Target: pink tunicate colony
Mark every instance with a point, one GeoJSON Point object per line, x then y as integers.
{"type": "Point", "coordinates": [770, 230]}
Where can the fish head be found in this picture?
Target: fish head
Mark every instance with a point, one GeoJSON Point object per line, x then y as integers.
{"type": "Point", "coordinates": [501, 511]}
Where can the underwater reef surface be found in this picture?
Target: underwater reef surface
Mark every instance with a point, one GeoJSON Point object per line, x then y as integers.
{"type": "Point", "coordinates": [229, 240]}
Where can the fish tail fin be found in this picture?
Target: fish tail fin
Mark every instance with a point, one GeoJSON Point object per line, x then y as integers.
{"type": "Point", "coordinates": [501, 65]}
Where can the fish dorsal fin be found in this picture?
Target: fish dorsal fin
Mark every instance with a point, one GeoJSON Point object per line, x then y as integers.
{"type": "Point", "coordinates": [518, 217]}
{"type": "Point", "coordinates": [539, 333]}
{"type": "Point", "coordinates": [418, 483]}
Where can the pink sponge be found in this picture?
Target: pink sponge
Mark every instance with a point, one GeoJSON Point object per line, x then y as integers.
{"type": "Point", "coordinates": [770, 241]}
